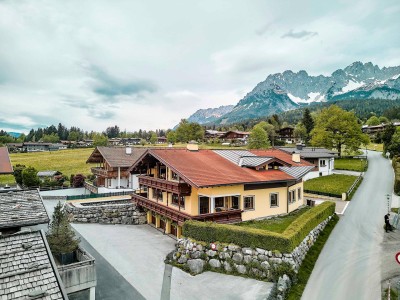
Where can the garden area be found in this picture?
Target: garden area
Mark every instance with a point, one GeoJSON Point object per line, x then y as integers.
{"type": "Point", "coordinates": [276, 224]}
{"type": "Point", "coordinates": [331, 185]}
{"type": "Point", "coordinates": [351, 164]}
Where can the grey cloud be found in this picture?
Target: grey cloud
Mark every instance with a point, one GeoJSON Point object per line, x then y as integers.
{"type": "Point", "coordinates": [264, 29]}
{"type": "Point", "coordinates": [299, 34]}
{"type": "Point", "coordinates": [109, 86]}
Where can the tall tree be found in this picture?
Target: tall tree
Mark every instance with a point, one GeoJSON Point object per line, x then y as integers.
{"type": "Point", "coordinates": [335, 128]}
{"type": "Point", "coordinates": [187, 131]}
{"type": "Point", "coordinates": [258, 138]}
{"type": "Point", "coordinates": [100, 140]}
{"type": "Point", "coordinates": [308, 123]}
{"type": "Point", "coordinates": [387, 135]}
{"type": "Point", "coordinates": [374, 120]}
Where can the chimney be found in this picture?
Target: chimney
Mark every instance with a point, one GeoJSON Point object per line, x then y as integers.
{"type": "Point", "coordinates": [299, 147]}
{"type": "Point", "coordinates": [296, 157]}
{"type": "Point", "coordinates": [192, 146]}
{"type": "Point", "coordinates": [128, 151]}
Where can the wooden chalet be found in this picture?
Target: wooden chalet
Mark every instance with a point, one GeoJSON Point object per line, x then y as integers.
{"type": "Point", "coordinates": [286, 135]}
{"type": "Point", "coordinates": [112, 166]}
{"type": "Point", "coordinates": [224, 186]}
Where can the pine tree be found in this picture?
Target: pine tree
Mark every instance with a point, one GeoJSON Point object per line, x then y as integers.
{"type": "Point", "coordinates": [308, 123]}
{"type": "Point", "coordinates": [61, 237]}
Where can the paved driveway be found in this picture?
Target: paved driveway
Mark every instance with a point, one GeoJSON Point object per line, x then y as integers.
{"type": "Point", "coordinates": [138, 252]}
{"type": "Point", "coordinates": [349, 264]}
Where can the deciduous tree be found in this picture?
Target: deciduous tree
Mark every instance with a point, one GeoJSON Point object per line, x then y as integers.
{"type": "Point", "coordinates": [258, 138]}
{"type": "Point", "coordinates": [335, 128]}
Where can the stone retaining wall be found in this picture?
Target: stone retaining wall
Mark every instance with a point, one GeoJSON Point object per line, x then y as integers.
{"type": "Point", "coordinates": [262, 264]}
{"type": "Point", "coordinates": [128, 214]}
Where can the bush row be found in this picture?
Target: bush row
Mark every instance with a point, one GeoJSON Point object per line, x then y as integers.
{"type": "Point", "coordinates": [396, 168]}
{"type": "Point", "coordinates": [257, 238]}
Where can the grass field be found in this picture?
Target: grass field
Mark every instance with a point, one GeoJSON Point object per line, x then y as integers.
{"type": "Point", "coordinates": [71, 161]}
{"type": "Point", "coordinates": [351, 164]}
{"type": "Point", "coordinates": [375, 147]}
{"type": "Point", "coordinates": [334, 184]}
{"type": "Point", "coordinates": [278, 224]}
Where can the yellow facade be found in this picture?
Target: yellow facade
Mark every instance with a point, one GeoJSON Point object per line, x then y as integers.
{"type": "Point", "coordinates": [261, 199]}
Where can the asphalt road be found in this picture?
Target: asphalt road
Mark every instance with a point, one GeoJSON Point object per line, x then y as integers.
{"type": "Point", "coordinates": [349, 265]}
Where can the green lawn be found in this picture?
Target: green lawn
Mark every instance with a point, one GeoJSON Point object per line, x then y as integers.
{"type": "Point", "coordinates": [334, 184]}
{"type": "Point", "coordinates": [375, 147]}
{"type": "Point", "coordinates": [277, 224]}
{"type": "Point", "coordinates": [71, 161]}
{"type": "Point", "coordinates": [351, 164]}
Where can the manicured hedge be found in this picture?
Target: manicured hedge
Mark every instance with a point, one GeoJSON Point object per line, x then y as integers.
{"type": "Point", "coordinates": [396, 168]}
{"type": "Point", "coordinates": [250, 237]}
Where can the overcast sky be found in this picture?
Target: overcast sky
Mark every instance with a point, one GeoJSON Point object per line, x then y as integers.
{"type": "Point", "coordinates": [147, 64]}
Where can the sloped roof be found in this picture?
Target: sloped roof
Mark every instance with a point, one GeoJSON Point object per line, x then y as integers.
{"type": "Point", "coordinates": [5, 163]}
{"type": "Point", "coordinates": [48, 173]}
{"type": "Point", "coordinates": [311, 152]}
{"type": "Point", "coordinates": [116, 157]}
{"type": "Point", "coordinates": [22, 208]}
{"type": "Point", "coordinates": [26, 266]}
{"type": "Point", "coordinates": [282, 155]}
{"type": "Point", "coordinates": [206, 168]}
{"type": "Point", "coordinates": [297, 172]}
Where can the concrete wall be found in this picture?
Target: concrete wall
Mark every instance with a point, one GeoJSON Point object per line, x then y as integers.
{"type": "Point", "coordinates": [81, 275]}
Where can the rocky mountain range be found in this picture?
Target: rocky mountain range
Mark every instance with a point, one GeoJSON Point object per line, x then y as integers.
{"type": "Point", "coordinates": [289, 90]}
{"type": "Point", "coordinates": [209, 115]}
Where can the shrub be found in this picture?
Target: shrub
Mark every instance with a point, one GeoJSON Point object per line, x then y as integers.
{"type": "Point", "coordinates": [251, 237]}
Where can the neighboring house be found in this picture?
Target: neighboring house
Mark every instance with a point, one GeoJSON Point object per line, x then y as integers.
{"type": "Point", "coordinates": [236, 136]}
{"type": "Point", "coordinates": [286, 135]}
{"type": "Point", "coordinates": [58, 146]}
{"type": "Point", "coordinates": [372, 131]}
{"type": "Point", "coordinates": [113, 164]}
{"type": "Point", "coordinates": [49, 175]}
{"type": "Point", "coordinates": [35, 146]}
{"type": "Point", "coordinates": [322, 158]}
{"type": "Point", "coordinates": [5, 162]}
{"type": "Point", "coordinates": [161, 140]}
{"type": "Point", "coordinates": [27, 267]}
{"type": "Point", "coordinates": [213, 134]}
{"type": "Point", "coordinates": [15, 147]}
{"type": "Point", "coordinates": [224, 186]}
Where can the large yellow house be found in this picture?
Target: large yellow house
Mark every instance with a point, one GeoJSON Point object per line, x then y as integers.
{"type": "Point", "coordinates": [225, 186]}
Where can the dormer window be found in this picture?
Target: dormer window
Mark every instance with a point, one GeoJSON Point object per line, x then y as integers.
{"type": "Point", "coordinates": [174, 176]}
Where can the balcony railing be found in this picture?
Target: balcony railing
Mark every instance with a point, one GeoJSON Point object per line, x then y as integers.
{"type": "Point", "coordinates": [179, 188]}
{"type": "Point", "coordinates": [108, 173]}
{"type": "Point", "coordinates": [229, 216]}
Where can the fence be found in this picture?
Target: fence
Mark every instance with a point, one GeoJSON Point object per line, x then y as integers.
{"type": "Point", "coordinates": [353, 186]}
{"type": "Point", "coordinates": [91, 196]}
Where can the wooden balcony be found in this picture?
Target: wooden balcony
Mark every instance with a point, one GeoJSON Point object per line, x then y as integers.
{"type": "Point", "coordinates": [225, 217]}
{"type": "Point", "coordinates": [179, 188]}
{"type": "Point", "coordinates": [222, 217]}
{"type": "Point", "coordinates": [108, 173]}
{"type": "Point", "coordinates": [166, 211]}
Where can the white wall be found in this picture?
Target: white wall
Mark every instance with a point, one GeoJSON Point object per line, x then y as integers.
{"type": "Point", "coordinates": [114, 183]}
{"type": "Point", "coordinates": [322, 170]}
{"type": "Point", "coordinates": [134, 182]}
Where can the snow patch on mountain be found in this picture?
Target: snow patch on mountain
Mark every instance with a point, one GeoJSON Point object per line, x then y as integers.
{"type": "Point", "coordinates": [315, 97]}
{"type": "Point", "coordinates": [295, 99]}
{"type": "Point", "coordinates": [352, 85]}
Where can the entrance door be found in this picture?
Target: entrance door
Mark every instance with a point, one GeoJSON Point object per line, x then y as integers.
{"type": "Point", "coordinates": [204, 205]}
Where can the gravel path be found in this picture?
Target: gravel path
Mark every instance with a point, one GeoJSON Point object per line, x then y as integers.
{"type": "Point", "coordinates": [349, 265]}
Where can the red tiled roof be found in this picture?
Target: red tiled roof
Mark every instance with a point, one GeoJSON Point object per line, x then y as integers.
{"type": "Point", "coordinates": [206, 168]}
{"type": "Point", "coordinates": [5, 163]}
{"type": "Point", "coordinates": [282, 155]}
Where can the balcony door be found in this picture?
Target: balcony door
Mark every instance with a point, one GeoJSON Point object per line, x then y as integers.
{"type": "Point", "coordinates": [204, 205]}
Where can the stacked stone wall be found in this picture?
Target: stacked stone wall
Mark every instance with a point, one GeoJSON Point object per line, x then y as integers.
{"type": "Point", "coordinates": [128, 214]}
{"type": "Point", "coordinates": [263, 264]}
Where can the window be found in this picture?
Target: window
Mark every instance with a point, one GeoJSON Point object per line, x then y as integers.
{"type": "Point", "coordinates": [235, 202]}
{"type": "Point", "coordinates": [154, 193]}
{"type": "Point", "coordinates": [322, 163]}
{"type": "Point", "coordinates": [219, 202]}
{"type": "Point", "coordinates": [248, 202]}
{"type": "Point", "coordinates": [174, 176]}
{"type": "Point", "coordinates": [273, 200]}
{"type": "Point", "coordinates": [299, 193]}
{"type": "Point", "coordinates": [179, 201]}
{"type": "Point", "coordinates": [292, 196]}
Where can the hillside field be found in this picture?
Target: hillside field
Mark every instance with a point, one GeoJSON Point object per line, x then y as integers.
{"type": "Point", "coordinates": [70, 161]}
